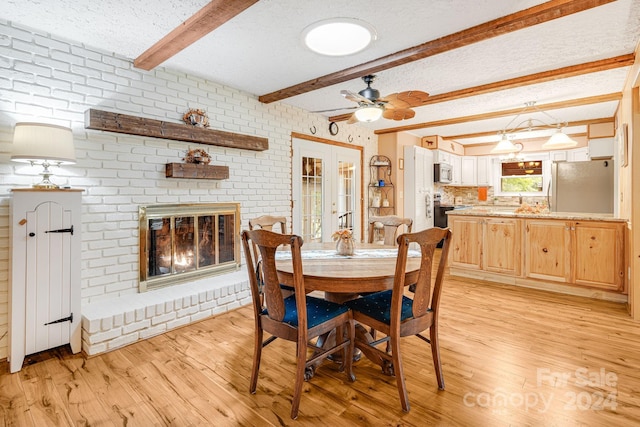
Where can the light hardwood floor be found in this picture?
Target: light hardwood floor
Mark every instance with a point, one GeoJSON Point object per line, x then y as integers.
{"type": "Point", "coordinates": [511, 356]}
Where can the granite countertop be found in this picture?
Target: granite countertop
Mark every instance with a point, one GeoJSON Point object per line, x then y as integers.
{"type": "Point", "coordinates": [509, 213]}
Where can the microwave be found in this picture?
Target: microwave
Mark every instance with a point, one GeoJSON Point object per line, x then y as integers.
{"type": "Point", "coordinates": [443, 173]}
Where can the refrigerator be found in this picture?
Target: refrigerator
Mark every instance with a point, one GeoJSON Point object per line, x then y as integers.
{"type": "Point", "coordinates": [418, 186]}
{"type": "Point", "coordinates": [582, 187]}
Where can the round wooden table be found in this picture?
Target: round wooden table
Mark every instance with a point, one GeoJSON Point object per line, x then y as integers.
{"type": "Point", "coordinates": [370, 269]}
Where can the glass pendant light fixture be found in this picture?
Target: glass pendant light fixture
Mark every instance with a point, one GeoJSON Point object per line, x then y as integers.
{"type": "Point", "coordinates": [368, 113]}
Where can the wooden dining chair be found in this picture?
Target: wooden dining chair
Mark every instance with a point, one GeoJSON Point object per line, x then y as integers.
{"type": "Point", "coordinates": [390, 225]}
{"type": "Point", "coordinates": [397, 315]}
{"type": "Point", "coordinates": [298, 317]}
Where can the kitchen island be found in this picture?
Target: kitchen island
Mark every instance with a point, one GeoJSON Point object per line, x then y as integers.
{"type": "Point", "coordinates": [573, 253]}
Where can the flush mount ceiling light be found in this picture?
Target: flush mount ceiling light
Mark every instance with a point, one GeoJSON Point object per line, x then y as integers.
{"type": "Point", "coordinates": [557, 141]}
{"type": "Point", "coordinates": [368, 113]}
{"type": "Point", "coordinates": [338, 36]}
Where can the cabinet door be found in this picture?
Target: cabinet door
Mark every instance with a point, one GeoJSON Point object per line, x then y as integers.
{"type": "Point", "coordinates": [466, 241]}
{"type": "Point", "coordinates": [483, 170]}
{"type": "Point", "coordinates": [558, 156]}
{"type": "Point", "coordinates": [578, 155]}
{"type": "Point", "coordinates": [599, 255]}
{"type": "Point", "coordinates": [547, 255]}
{"type": "Point", "coordinates": [456, 165]}
{"type": "Point", "coordinates": [468, 168]}
{"type": "Point", "coordinates": [501, 245]}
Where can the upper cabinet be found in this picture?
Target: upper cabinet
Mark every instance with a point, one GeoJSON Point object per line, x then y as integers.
{"type": "Point", "coordinates": [484, 168]}
{"type": "Point", "coordinates": [601, 148]}
{"type": "Point", "coordinates": [468, 170]}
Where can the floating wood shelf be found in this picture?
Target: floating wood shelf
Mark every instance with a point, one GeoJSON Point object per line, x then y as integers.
{"type": "Point", "coordinates": [132, 125]}
{"type": "Point", "coordinates": [197, 171]}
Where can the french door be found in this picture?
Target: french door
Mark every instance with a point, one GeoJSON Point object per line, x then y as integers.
{"type": "Point", "coordinates": [326, 190]}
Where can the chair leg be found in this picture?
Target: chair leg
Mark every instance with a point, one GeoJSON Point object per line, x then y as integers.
{"type": "Point", "coordinates": [435, 353]}
{"type": "Point", "coordinates": [399, 372]}
{"type": "Point", "coordinates": [257, 354]}
{"type": "Point", "coordinates": [348, 350]}
{"type": "Point", "coordinates": [301, 351]}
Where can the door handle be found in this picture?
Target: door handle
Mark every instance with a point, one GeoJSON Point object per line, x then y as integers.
{"type": "Point", "coordinates": [62, 230]}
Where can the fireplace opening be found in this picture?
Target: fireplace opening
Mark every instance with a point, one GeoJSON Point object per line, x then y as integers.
{"type": "Point", "coordinates": [185, 242]}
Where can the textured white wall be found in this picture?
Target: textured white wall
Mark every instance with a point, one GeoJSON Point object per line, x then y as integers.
{"type": "Point", "coordinates": [46, 79]}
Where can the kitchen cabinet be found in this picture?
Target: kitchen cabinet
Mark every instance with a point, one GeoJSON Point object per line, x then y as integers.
{"type": "Point", "coordinates": [440, 156]}
{"type": "Point", "coordinates": [564, 254]}
{"type": "Point", "coordinates": [466, 240]}
{"type": "Point", "coordinates": [501, 245]}
{"type": "Point", "coordinates": [547, 250]}
{"type": "Point", "coordinates": [601, 148]}
{"type": "Point", "coordinates": [468, 170]}
{"type": "Point", "coordinates": [456, 166]}
{"type": "Point", "coordinates": [558, 155]}
{"type": "Point", "coordinates": [484, 168]}
{"type": "Point", "coordinates": [578, 155]}
{"type": "Point", "coordinates": [491, 244]}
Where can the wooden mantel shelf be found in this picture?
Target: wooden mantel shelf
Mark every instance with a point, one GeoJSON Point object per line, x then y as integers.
{"type": "Point", "coordinates": [197, 171]}
{"type": "Point", "coordinates": [132, 125]}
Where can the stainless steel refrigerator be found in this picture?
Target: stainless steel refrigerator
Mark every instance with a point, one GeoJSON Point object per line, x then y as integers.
{"type": "Point", "coordinates": [582, 186]}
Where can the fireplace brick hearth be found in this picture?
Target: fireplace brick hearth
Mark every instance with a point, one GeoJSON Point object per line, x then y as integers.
{"type": "Point", "coordinates": [117, 322]}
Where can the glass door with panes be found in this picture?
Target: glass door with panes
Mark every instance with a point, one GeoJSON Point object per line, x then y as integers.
{"type": "Point", "coordinates": [326, 190]}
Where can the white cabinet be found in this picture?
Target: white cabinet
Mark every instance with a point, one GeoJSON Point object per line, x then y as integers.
{"type": "Point", "coordinates": [440, 156]}
{"type": "Point", "coordinates": [601, 148]}
{"type": "Point", "coordinates": [578, 155]}
{"type": "Point", "coordinates": [484, 168]}
{"type": "Point", "coordinates": [44, 289]}
{"type": "Point", "coordinates": [558, 156]}
{"type": "Point", "coordinates": [468, 170]}
{"type": "Point", "coordinates": [456, 165]}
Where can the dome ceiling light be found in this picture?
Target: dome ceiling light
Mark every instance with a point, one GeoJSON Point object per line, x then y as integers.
{"type": "Point", "coordinates": [338, 36]}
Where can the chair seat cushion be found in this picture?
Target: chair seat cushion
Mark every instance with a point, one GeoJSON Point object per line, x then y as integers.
{"type": "Point", "coordinates": [378, 306]}
{"type": "Point", "coordinates": [318, 311]}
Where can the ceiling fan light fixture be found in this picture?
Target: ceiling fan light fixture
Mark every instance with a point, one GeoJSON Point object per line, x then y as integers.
{"type": "Point", "coordinates": [338, 36]}
{"type": "Point", "coordinates": [368, 113]}
{"type": "Point", "coordinates": [559, 140]}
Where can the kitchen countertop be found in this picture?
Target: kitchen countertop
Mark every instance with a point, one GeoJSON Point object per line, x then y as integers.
{"type": "Point", "coordinates": [509, 213]}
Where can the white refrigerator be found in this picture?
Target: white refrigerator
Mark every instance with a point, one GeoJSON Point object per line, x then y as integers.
{"type": "Point", "coordinates": [418, 186]}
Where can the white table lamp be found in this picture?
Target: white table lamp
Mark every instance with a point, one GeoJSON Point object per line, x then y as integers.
{"type": "Point", "coordinates": [43, 144]}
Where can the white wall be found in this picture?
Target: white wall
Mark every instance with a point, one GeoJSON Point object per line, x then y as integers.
{"type": "Point", "coordinates": [46, 79]}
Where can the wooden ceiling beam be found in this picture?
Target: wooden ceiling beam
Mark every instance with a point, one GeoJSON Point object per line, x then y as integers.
{"type": "Point", "coordinates": [207, 19]}
{"type": "Point", "coordinates": [542, 77]}
{"type": "Point", "coordinates": [544, 12]}
{"type": "Point", "coordinates": [617, 96]}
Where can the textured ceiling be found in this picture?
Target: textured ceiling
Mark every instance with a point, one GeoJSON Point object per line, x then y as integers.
{"type": "Point", "coordinates": [260, 51]}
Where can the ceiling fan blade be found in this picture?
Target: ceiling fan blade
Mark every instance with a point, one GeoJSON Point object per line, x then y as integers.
{"type": "Point", "coordinates": [355, 97]}
{"type": "Point", "coordinates": [398, 113]}
{"type": "Point", "coordinates": [408, 99]}
{"type": "Point", "coordinates": [334, 109]}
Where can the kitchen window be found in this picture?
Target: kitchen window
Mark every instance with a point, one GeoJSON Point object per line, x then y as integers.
{"type": "Point", "coordinates": [519, 177]}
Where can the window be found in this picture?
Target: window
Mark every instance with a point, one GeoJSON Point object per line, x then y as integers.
{"type": "Point", "coordinates": [521, 177]}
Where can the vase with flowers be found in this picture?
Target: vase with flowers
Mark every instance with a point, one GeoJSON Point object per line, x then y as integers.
{"type": "Point", "coordinates": [345, 244]}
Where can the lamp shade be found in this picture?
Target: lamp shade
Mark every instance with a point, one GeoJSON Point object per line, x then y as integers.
{"type": "Point", "coordinates": [558, 141]}
{"type": "Point", "coordinates": [42, 143]}
{"type": "Point", "coordinates": [368, 113]}
{"type": "Point", "coordinates": [505, 147]}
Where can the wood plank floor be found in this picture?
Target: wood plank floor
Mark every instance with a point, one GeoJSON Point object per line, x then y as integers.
{"type": "Point", "coordinates": [511, 356]}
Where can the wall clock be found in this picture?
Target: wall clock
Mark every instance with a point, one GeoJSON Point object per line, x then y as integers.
{"type": "Point", "coordinates": [333, 128]}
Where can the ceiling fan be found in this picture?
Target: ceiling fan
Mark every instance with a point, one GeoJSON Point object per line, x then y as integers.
{"type": "Point", "coordinates": [371, 106]}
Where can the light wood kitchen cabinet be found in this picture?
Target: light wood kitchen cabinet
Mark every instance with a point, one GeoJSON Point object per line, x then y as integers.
{"type": "Point", "coordinates": [598, 251]}
{"type": "Point", "coordinates": [547, 246]}
{"type": "Point", "coordinates": [466, 239]}
{"type": "Point", "coordinates": [588, 253]}
{"type": "Point", "coordinates": [501, 245]}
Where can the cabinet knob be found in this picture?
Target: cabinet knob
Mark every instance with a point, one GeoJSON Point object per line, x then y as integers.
{"type": "Point", "coordinates": [545, 250]}
{"type": "Point", "coordinates": [32, 234]}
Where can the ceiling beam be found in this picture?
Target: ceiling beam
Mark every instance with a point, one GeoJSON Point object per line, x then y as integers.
{"type": "Point", "coordinates": [617, 96]}
{"type": "Point", "coordinates": [207, 19]}
{"type": "Point", "coordinates": [497, 131]}
{"type": "Point", "coordinates": [516, 21]}
{"type": "Point", "coordinates": [542, 77]}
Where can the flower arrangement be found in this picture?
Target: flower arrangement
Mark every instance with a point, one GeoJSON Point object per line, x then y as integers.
{"type": "Point", "coordinates": [342, 234]}
{"type": "Point", "coordinates": [197, 156]}
{"type": "Point", "coordinates": [196, 117]}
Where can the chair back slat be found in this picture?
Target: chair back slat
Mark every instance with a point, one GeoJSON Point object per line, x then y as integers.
{"type": "Point", "coordinates": [391, 225]}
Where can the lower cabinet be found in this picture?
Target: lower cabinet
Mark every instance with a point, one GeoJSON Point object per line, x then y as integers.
{"type": "Point", "coordinates": [580, 253]}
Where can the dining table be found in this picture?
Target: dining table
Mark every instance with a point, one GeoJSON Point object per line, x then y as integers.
{"type": "Point", "coordinates": [371, 268]}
